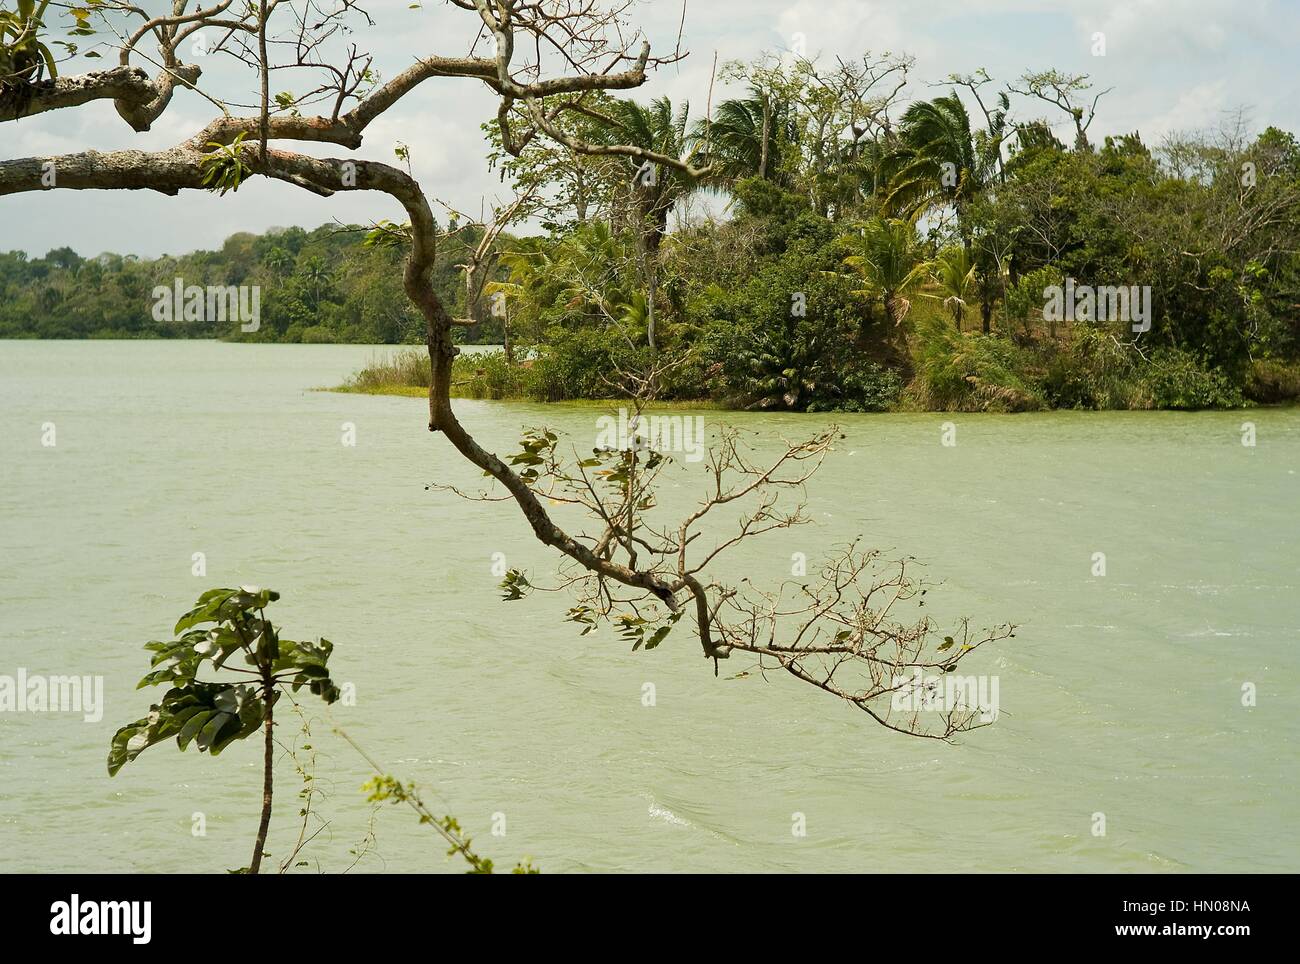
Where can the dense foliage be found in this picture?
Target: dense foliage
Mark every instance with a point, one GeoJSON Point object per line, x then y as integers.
{"type": "Point", "coordinates": [862, 254]}
{"type": "Point", "coordinates": [865, 263]}
{"type": "Point", "coordinates": [317, 286]}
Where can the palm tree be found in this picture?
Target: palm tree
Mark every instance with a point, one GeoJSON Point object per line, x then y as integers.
{"type": "Point", "coordinates": [954, 272]}
{"type": "Point", "coordinates": [889, 263]}
{"type": "Point", "coordinates": [743, 138]}
{"type": "Point", "coordinates": [783, 367]}
{"type": "Point", "coordinates": [941, 161]}
{"type": "Point", "coordinates": [316, 278]}
{"type": "Point", "coordinates": [278, 260]}
{"type": "Point", "coordinates": [654, 189]}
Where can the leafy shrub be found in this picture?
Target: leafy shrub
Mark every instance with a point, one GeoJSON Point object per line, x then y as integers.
{"type": "Point", "coordinates": [1024, 301]}
{"type": "Point", "coordinates": [488, 375]}
{"type": "Point", "coordinates": [699, 370]}
{"type": "Point", "coordinates": [1178, 380]}
{"type": "Point", "coordinates": [781, 367]}
{"type": "Point", "coordinates": [1270, 382]}
{"type": "Point", "coordinates": [970, 373]}
{"type": "Point", "coordinates": [864, 386]}
{"type": "Point", "coordinates": [1094, 370]}
{"type": "Point", "coordinates": [572, 364]}
{"type": "Point", "coordinates": [318, 335]}
{"type": "Point", "coordinates": [793, 336]}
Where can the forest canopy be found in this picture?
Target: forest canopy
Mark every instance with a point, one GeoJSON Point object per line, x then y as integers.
{"type": "Point", "coordinates": [316, 286]}
{"type": "Point", "coordinates": [822, 242]}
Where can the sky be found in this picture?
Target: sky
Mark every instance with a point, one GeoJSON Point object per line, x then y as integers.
{"type": "Point", "coordinates": [1176, 66]}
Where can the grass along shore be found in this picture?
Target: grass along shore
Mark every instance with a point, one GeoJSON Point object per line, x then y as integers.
{"type": "Point", "coordinates": [481, 375]}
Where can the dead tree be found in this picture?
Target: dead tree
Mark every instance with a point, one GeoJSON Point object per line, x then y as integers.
{"type": "Point", "coordinates": [482, 262]}
{"type": "Point", "coordinates": [1067, 92]}
{"type": "Point", "coordinates": [840, 631]}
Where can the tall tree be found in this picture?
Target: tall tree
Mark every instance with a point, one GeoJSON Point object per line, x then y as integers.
{"type": "Point", "coordinates": [1067, 92]}
{"type": "Point", "coordinates": [940, 161]}
{"type": "Point", "coordinates": [653, 189]}
{"type": "Point", "coordinates": [838, 118]}
{"type": "Point", "coordinates": [639, 580]}
{"type": "Point", "coordinates": [744, 136]}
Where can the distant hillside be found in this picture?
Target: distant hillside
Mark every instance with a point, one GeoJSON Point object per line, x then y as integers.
{"type": "Point", "coordinates": [313, 286]}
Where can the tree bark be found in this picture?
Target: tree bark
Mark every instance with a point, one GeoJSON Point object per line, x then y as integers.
{"type": "Point", "coordinates": [268, 776]}
{"type": "Point", "coordinates": [181, 168]}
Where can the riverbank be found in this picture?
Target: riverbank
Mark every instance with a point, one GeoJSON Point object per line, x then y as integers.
{"type": "Point", "coordinates": [483, 373]}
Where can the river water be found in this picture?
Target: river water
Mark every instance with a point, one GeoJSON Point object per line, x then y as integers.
{"type": "Point", "coordinates": [1121, 695]}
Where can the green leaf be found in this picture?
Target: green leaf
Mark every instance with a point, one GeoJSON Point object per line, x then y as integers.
{"type": "Point", "coordinates": [211, 715]}
{"type": "Point", "coordinates": [514, 586]}
{"type": "Point", "coordinates": [198, 719]}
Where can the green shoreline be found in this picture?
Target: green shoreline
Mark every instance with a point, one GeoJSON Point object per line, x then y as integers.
{"type": "Point", "coordinates": [415, 391]}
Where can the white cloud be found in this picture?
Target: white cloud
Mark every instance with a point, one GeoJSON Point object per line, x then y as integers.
{"type": "Point", "coordinates": [1201, 108]}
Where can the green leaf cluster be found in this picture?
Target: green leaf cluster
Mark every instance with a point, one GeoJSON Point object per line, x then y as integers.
{"type": "Point", "coordinates": [223, 167]}
{"type": "Point", "coordinates": [223, 623]}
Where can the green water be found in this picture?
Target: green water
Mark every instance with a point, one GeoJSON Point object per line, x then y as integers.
{"type": "Point", "coordinates": [1121, 694]}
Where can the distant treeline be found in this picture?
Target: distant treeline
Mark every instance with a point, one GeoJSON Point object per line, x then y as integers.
{"type": "Point", "coordinates": [315, 286]}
